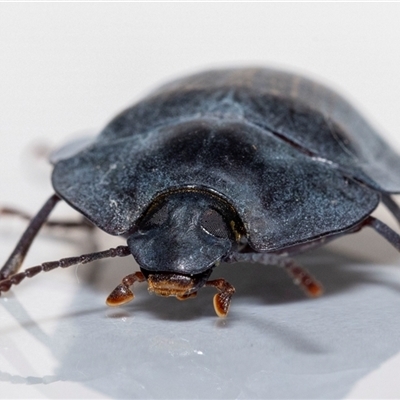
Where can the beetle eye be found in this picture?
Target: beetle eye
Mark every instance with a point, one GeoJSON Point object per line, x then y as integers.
{"type": "Point", "coordinates": [213, 222]}
{"type": "Point", "coordinates": [159, 217]}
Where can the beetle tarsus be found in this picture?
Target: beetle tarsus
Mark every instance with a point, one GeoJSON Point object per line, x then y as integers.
{"type": "Point", "coordinates": [122, 294]}
{"type": "Point", "coordinates": [222, 300]}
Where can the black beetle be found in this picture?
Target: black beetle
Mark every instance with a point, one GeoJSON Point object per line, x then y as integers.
{"type": "Point", "coordinates": [226, 165]}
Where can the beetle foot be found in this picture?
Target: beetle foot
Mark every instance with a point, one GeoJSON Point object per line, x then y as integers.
{"type": "Point", "coordinates": [122, 294]}
{"type": "Point", "coordinates": [222, 300]}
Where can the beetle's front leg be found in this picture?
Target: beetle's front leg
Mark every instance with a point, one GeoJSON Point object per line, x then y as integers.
{"type": "Point", "coordinates": [122, 294]}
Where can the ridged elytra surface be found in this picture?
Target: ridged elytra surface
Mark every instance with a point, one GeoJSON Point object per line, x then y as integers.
{"type": "Point", "coordinates": [294, 159]}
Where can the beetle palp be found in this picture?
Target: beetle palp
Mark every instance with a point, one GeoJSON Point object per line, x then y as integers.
{"type": "Point", "coordinates": [122, 293]}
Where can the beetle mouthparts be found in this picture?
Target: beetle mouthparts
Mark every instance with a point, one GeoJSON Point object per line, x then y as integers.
{"type": "Point", "coordinates": [184, 287]}
{"type": "Point", "coordinates": [171, 284]}
{"type": "Point", "coordinates": [167, 284]}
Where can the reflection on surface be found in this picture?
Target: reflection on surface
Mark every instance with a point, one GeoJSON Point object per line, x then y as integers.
{"type": "Point", "coordinates": [275, 343]}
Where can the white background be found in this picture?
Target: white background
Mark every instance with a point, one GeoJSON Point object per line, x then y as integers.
{"type": "Point", "coordinates": [67, 68]}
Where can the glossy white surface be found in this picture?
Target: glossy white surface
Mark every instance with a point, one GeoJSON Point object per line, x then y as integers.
{"type": "Point", "coordinates": [66, 68]}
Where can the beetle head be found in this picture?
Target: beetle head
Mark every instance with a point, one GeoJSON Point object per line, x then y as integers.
{"type": "Point", "coordinates": [181, 237]}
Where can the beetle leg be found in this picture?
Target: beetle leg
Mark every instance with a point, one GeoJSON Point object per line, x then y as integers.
{"type": "Point", "coordinates": [120, 251]}
{"type": "Point", "coordinates": [16, 258]}
{"type": "Point", "coordinates": [391, 205]}
{"type": "Point", "coordinates": [389, 234]}
{"type": "Point", "coordinates": [122, 294]}
{"type": "Point", "coordinates": [222, 300]}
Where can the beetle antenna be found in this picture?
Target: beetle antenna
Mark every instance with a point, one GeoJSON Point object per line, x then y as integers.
{"type": "Point", "coordinates": [302, 277]}
{"type": "Point", "coordinates": [299, 274]}
{"type": "Point", "coordinates": [120, 251]}
{"type": "Point", "coordinates": [14, 262]}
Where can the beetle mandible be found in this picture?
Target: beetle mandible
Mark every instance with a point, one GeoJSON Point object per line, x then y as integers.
{"type": "Point", "coordinates": [223, 166]}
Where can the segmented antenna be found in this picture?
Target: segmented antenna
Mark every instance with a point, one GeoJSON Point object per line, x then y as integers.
{"type": "Point", "coordinates": [300, 275]}
{"type": "Point", "coordinates": [120, 251]}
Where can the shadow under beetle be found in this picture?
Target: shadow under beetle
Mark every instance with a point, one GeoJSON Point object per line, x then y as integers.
{"type": "Point", "coordinates": [223, 166]}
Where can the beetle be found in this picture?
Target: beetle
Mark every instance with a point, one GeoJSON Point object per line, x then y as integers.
{"type": "Point", "coordinates": [249, 164]}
